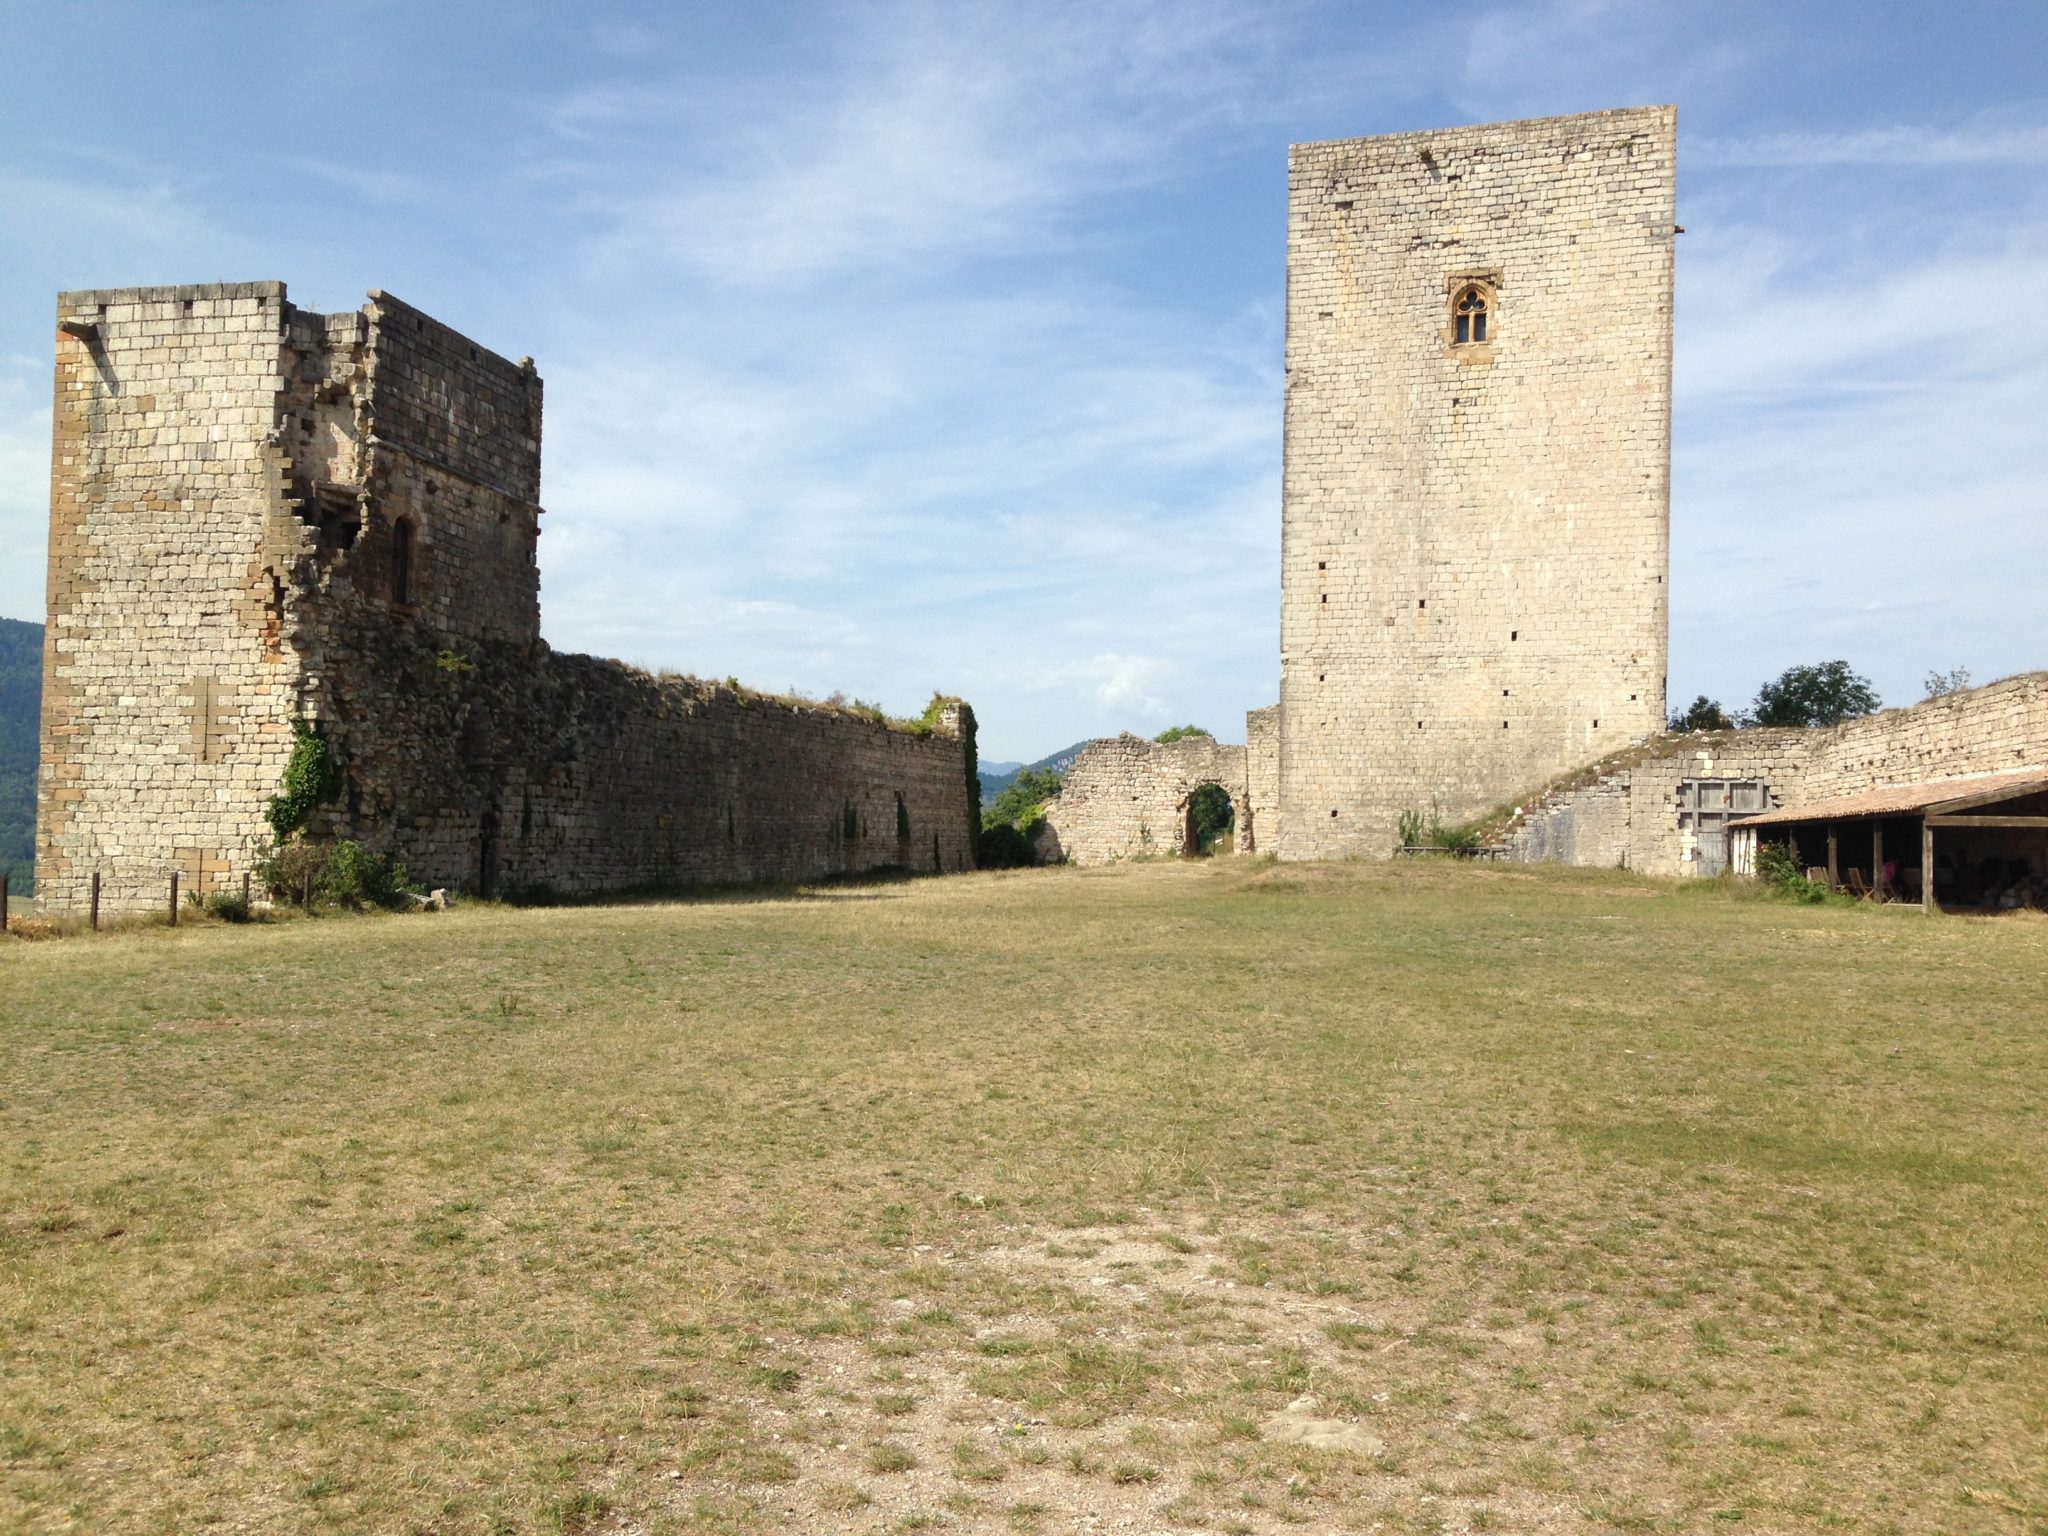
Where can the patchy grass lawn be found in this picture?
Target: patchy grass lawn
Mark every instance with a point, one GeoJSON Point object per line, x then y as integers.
{"type": "Point", "coordinates": [1224, 1197]}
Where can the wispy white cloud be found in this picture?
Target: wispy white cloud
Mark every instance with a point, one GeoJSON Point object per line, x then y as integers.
{"type": "Point", "coordinates": [24, 487]}
{"type": "Point", "coordinates": [1901, 145]}
{"type": "Point", "coordinates": [1856, 442]}
{"type": "Point", "coordinates": [939, 133]}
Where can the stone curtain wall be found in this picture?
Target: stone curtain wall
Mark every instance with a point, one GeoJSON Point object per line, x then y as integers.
{"type": "Point", "coordinates": [1126, 797]}
{"type": "Point", "coordinates": [2000, 726]}
{"type": "Point", "coordinates": [1625, 811]}
{"type": "Point", "coordinates": [167, 690]}
{"type": "Point", "coordinates": [1475, 537]}
{"type": "Point", "coordinates": [581, 775]}
{"type": "Point", "coordinates": [229, 476]}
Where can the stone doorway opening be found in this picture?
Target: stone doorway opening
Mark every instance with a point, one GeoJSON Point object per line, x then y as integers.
{"type": "Point", "coordinates": [1208, 822]}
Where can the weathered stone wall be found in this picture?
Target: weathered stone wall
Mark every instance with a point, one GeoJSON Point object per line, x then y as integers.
{"type": "Point", "coordinates": [1624, 811]}
{"type": "Point", "coordinates": [167, 686]}
{"type": "Point", "coordinates": [1999, 726]}
{"type": "Point", "coordinates": [513, 769]}
{"type": "Point", "coordinates": [1475, 535]}
{"type": "Point", "coordinates": [1126, 797]}
{"type": "Point", "coordinates": [1262, 776]}
{"type": "Point", "coordinates": [260, 514]}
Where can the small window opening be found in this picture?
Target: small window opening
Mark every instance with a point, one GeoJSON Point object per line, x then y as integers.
{"type": "Point", "coordinates": [1596, 725]}
{"type": "Point", "coordinates": [1468, 315]}
{"type": "Point", "coordinates": [188, 306]}
{"type": "Point", "coordinates": [1326, 597]}
{"type": "Point", "coordinates": [1503, 725]}
{"type": "Point", "coordinates": [401, 561]}
{"type": "Point", "coordinates": [1514, 634]}
{"type": "Point", "coordinates": [1422, 602]}
{"type": "Point", "coordinates": [1333, 813]}
{"type": "Point", "coordinates": [1322, 565]}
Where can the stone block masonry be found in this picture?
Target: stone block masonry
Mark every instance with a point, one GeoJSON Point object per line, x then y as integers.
{"type": "Point", "coordinates": [1475, 503]}
{"type": "Point", "coordinates": [1626, 811]}
{"type": "Point", "coordinates": [1126, 797]}
{"type": "Point", "coordinates": [260, 515]}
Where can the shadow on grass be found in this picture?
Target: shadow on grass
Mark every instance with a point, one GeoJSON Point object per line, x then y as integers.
{"type": "Point", "coordinates": [881, 884]}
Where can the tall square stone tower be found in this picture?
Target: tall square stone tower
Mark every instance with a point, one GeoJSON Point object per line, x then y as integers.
{"type": "Point", "coordinates": [232, 478]}
{"type": "Point", "coordinates": [1476, 503]}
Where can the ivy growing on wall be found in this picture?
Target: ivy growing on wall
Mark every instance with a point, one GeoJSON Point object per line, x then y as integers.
{"type": "Point", "coordinates": [312, 777]}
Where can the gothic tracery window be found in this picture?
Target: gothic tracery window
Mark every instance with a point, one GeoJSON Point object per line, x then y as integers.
{"type": "Point", "coordinates": [1468, 315]}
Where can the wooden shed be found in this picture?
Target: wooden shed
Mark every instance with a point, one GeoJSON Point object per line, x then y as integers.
{"type": "Point", "coordinates": [1979, 842]}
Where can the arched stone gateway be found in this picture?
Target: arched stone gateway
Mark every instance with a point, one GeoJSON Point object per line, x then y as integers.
{"type": "Point", "coordinates": [1126, 797]}
{"type": "Point", "coordinates": [1209, 821]}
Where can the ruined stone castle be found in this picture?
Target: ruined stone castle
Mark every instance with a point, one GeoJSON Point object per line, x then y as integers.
{"type": "Point", "coordinates": [265, 521]}
{"type": "Point", "coordinates": [1475, 540]}
{"type": "Point", "coordinates": [1475, 505]}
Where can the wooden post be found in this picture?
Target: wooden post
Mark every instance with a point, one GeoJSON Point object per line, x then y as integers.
{"type": "Point", "coordinates": [1877, 860]}
{"type": "Point", "coordinates": [3, 901]}
{"type": "Point", "coordinates": [95, 901]}
{"type": "Point", "coordinates": [1926, 865]}
{"type": "Point", "coordinates": [245, 888]}
{"type": "Point", "coordinates": [1834, 868]}
{"type": "Point", "coordinates": [174, 898]}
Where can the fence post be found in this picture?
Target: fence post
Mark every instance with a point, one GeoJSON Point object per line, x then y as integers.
{"type": "Point", "coordinates": [3, 901]}
{"type": "Point", "coordinates": [174, 898]}
{"type": "Point", "coordinates": [95, 901]}
{"type": "Point", "coordinates": [245, 888]}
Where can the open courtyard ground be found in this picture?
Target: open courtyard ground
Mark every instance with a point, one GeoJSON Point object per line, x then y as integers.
{"type": "Point", "coordinates": [1219, 1197]}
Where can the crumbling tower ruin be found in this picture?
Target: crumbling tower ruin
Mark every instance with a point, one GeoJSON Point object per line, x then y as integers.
{"type": "Point", "coordinates": [266, 522]}
{"type": "Point", "coordinates": [1476, 501]}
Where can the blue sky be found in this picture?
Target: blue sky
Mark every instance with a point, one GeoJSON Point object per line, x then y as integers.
{"type": "Point", "coordinates": [900, 346]}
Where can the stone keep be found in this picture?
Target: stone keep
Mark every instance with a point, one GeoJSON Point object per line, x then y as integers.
{"type": "Point", "coordinates": [1475, 505]}
{"type": "Point", "coordinates": [263, 518]}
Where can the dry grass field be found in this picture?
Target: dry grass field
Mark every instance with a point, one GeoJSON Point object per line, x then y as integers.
{"type": "Point", "coordinates": [1219, 1198]}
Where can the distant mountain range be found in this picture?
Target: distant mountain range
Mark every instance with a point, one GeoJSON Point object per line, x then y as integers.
{"type": "Point", "coordinates": [997, 777]}
{"type": "Point", "coordinates": [21, 700]}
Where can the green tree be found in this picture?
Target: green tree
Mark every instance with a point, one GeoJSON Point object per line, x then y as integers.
{"type": "Point", "coordinates": [1826, 694]}
{"type": "Point", "coordinates": [1022, 801]}
{"type": "Point", "coordinates": [1702, 714]}
{"type": "Point", "coordinates": [1008, 825]}
{"type": "Point", "coordinates": [1177, 732]}
{"type": "Point", "coordinates": [1213, 816]}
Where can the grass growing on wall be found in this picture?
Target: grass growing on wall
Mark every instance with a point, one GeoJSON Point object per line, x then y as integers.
{"type": "Point", "coordinates": [1567, 1200]}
